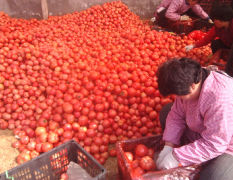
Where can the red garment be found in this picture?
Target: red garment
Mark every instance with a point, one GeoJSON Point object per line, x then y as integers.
{"type": "Point", "coordinates": [226, 35]}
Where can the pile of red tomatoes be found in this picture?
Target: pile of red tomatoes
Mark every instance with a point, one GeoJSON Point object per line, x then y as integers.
{"type": "Point", "coordinates": [88, 76]}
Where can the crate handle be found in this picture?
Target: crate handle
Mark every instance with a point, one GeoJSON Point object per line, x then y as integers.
{"type": "Point", "coordinates": [8, 177]}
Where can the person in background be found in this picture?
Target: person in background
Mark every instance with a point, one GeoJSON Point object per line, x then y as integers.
{"type": "Point", "coordinates": [229, 64]}
{"type": "Point", "coordinates": [173, 10]}
{"type": "Point", "coordinates": [220, 35]}
{"type": "Point", "coordinates": [199, 124]}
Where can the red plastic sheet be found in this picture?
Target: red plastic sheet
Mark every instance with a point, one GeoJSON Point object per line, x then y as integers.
{"type": "Point", "coordinates": [180, 173]}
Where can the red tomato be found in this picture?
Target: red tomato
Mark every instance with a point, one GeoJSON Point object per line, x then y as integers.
{"type": "Point", "coordinates": [147, 163]}
{"type": "Point", "coordinates": [46, 147]}
{"type": "Point", "coordinates": [23, 157]}
{"type": "Point", "coordinates": [24, 140]}
{"type": "Point", "coordinates": [129, 156]}
{"type": "Point", "coordinates": [68, 134]}
{"type": "Point", "coordinates": [94, 149]}
{"type": "Point", "coordinates": [137, 172]}
{"type": "Point", "coordinates": [31, 145]}
{"type": "Point", "coordinates": [16, 144]}
{"type": "Point", "coordinates": [141, 150]}
{"type": "Point", "coordinates": [64, 176]}
{"type": "Point", "coordinates": [75, 126]}
{"type": "Point", "coordinates": [112, 152]}
{"type": "Point", "coordinates": [34, 154]}
{"type": "Point", "coordinates": [83, 120]}
{"type": "Point", "coordinates": [67, 107]}
{"type": "Point", "coordinates": [42, 122]}
{"type": "Point", "coordinates": [40, 130]}
{"type": "Point", "coordinates": [135, 163]}
{"type": "Point", "coordinates": [151, 152]}
{"type": "Point", "coordinates": [53, 137]}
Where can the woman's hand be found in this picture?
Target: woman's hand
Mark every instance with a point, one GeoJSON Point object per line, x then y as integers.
{"type": "Point", "coordinates": [210, 21]}
{"type": "Point", "coordinates": [168, 162]}
{"type": "Point", "coordinates": [166, 149]}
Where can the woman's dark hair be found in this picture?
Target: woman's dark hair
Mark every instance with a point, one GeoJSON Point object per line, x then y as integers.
{"type": "Point", "coordinates": [177, 75]}
{"type": "Point", "coordinates": [222, 13]}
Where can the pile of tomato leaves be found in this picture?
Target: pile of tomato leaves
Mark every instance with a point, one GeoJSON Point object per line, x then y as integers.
{"type": "Point", "coordinates": [88, 76]}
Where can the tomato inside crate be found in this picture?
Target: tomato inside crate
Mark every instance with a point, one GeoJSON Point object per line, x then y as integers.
{"type": "Point", "coordinates": [135, 158]}
{"type": "Point", "coordinates": [129, 169]}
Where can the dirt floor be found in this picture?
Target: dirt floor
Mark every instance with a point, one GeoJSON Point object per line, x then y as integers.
{"type": "Point", "coordinates": [7, 152]}
{"type": "Point", "coordinates": [8, 155]}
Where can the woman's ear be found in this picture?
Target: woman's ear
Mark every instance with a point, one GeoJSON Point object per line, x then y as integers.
{"type": "Point", "coordinates": [193, 87]}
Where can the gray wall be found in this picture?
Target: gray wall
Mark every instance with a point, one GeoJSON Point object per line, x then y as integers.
{"type": "Point", "coordinates": [21, 8]}
{"type": "Point", "coordinates": [32, 8]}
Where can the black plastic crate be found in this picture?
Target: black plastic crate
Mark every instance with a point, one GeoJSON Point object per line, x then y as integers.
{"type": "Point", "coordinates": [50, 165]}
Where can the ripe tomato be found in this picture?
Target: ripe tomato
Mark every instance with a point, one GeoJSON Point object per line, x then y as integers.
{"type": "Point", "coordinates": [135, 163]}
{"type": "Point", "coordinates": [31, 145]}
{"type": "Point", "coordinates": [23, 157]}
{"type": "Point", "coordinates": [16, 144]}
{"type": "Point", "coordinates": [112, 152]}
{"type": "Point", "coordinates": [24, 140]}
{"type": "Point", "coordinates": [67, 107]}
{"type": "Point", "coordinates": [141, 150]}
{"type": "Point", "coordinates": [129, 157]}
{"type": "Point", "coordinates": [46, 147]}
{"type": "Point", "coordinates": [83, 120]}
{"type": "Point", "coordinates": [53, 137]}
{"type": "Point", "coordinates": [137, 172]}
{"type": "Point", "coordinates": [64, 176]}
{"type": "Point", "coordinates": [147, 163]}
{"type": "Point", "coordinates": [40, 130]}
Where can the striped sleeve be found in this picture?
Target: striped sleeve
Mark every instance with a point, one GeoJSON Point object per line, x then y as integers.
{"type": "Point", "coordinates": [171, 12]}
{"type": "Point", "coordinates": [199, 11]}
{"type": "Point", "coordinates": [175, 123]}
